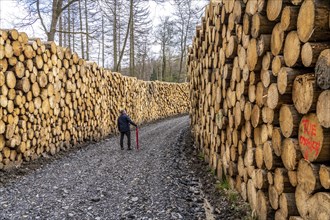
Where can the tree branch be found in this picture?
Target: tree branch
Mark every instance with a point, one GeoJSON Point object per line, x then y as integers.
{"type": "Point", "coordinates": [78, 32]}
{"type": "Point", "coordinates": [67, 5]}
{"type": "Point", "coordinates": [42, 21]}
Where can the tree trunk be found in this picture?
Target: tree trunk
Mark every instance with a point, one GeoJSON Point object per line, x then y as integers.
{"type": "Point", "coordinates": [124, 45]}
{"type": "Point", "coordinates": [131, 37]}
{"type": "Point", "coordinates": [87, 32]}
{"type": "Point", "coordinates": [164, 63]}
{"type": "Point", "coordinates": [56, 11]}
{"type": "Point", "coordinates": [60, 35]}
{"type": "Point", "coordinates": [69, 28]}
{"type": "Point", "coordinates": [81, 29]}
{"type": "Point", "coordinates": [103, 41]}
{"type": "Point", "coordinates": [73, 31]}
{"type": "Point", "coordinates": [114, 35]}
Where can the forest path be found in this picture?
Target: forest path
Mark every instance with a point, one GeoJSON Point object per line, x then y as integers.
{"type": "Point", "coordinates": [101, 181]}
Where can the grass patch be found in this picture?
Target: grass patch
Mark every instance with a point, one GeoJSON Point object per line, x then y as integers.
{"type": "Point", "coordinates": [211, 170]}
{"type": "Point", "coordinates": [201, 156]}
{"type": "Point", "coordinates": [223, 185]}
{"type": "Point", "coordinates": [232, 196]}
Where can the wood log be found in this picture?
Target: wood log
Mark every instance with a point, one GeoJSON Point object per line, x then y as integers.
{"type": "Point", "coordinates": [295, 217]}
{"type": "Point", "coordinates": [272, 96]}
{"type": "Point", "coordinates": [318, 206]}
{"type": "Point", "coordinates": [270, 159]}
{"type": "Point", "coordinates": [256, 116]}
{"type": "Point", "coordinates": [287, 204]}
{"type": "Point", "coordinates": [308, 177]}
{"type": "Point", "coordinates": [288, 119]}
{"type": "Point", "coordinates": [246, 23]}
{"type": "Point", "coordinates": [290, 153]}
{"type": "Point", "coordinates": [263, 44]}
{"type": "Point", "coordinates": [314, 141]}
{"type": "Point", "coordinates": [264, 210]}
{"type": "Point", "coordinates": [260, 134]}
{"type": "Point", "coordinates": [256, 78]}
{"type": "Point", "coordinates": [311, 51]}
{"type": "Point", "coordinates": [291, 50]}
{"type": "Point", "coordinates": [252, 194]}
{"type": "Point", "coordinates": [324, 176]}
{"type": "Point", "coordinates": [252, 54]}
{"type": "Point", "coordinates": [286, 77]}
{"type": "Point", "coordinates": [251, 7]}
{"type": "Point", "coordinates": [259, 157]}
{"type": "Point", "coordinates": [277, 63]}
{"type": "Point", "coordinates": [261, 94]}
{"type": "Point", "coordinates": [281, 181]}
{"type": "Point", "coordinates": [313, 22]}
{"type": "Point", "coordinates": [273, 197]}
{"type": "Point", "coordinates": [261, 179]}
{"type": "Point", "coordinates": [289, 18]}
{"type": "Point", "coordinates": [277, 141]}
{"type": "Point", "coordinates": [10, 79]}
{"type": "Point", "coordinates": [274, 8]}
{"type": "Point", "coordinates": [266, 60]}
{"type": "Point", "coordinates": [267, 115]}
{"type": "Point", "coordinates": [293, 178]}
{"type": "Point", "coordinates": [303, 93]}
{"type": "Point", "coordinates": [323, 109]}
{"type": "Point", "coordinates": [277, 39]}
{"type": "Point", "coordinates": [260, 25]}
{"type": "Point", "coordinates": [279, 215]}
{"type": "Point", "coordinates": [322, 69]}
{"type": "Point", "coordinates": [312, 207]}
{"type": "Point", "coordinates": [267, 77]}
{"type": "Point", "coordinates": [302, 201]}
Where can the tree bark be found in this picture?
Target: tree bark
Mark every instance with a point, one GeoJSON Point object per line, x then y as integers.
{"type": "Point", "coordinates": [131, 37]}
{"type": "Point", "coordinates": [87, 31]}
{"type": "Point", "coordinates": [114, 35]}
{"type": "Point", "coordinates": [82, 48]}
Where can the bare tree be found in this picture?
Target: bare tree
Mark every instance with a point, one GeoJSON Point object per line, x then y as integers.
{"type": "Point", "coordinates": [187, 14]}
{"type": "Point", "coordinates": [141, 29]}
{"type": "Point", "coordinates": [164, 36]}
{"type": "Point", "coordinates": [117, 15]}
{"type": "Point", "coordinates": [131, 39]}
{"type": "Point", "coordinates": [44, 11]}
{"type": "Point", "coordinates": [81, 30]}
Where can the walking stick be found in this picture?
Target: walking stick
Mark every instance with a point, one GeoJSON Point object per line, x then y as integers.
{"type": "Point", "coordinates": [137, 138]}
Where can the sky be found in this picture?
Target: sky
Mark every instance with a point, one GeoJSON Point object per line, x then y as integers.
{"type": "Point", "coordinates": [8, 8]}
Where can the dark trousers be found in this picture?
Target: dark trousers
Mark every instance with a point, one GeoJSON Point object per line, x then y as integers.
{"type": "Point", "coordinates": [128, 134]}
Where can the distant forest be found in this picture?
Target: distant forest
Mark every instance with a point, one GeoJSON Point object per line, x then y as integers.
{"type": "Point", "coordinates": [120, 34]}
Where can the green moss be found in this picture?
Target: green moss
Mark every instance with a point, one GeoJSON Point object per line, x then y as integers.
{"type": "Point", "coordinates": [201, 156]}
{"type": "Point", "coordinates": [223, 185]}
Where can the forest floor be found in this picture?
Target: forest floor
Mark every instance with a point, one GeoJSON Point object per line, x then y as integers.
{"type": "Point", "coordinates": [165, 179]}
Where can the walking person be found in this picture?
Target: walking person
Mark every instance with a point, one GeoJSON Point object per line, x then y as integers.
{"type": "Point", "coordinates": [124, 127]}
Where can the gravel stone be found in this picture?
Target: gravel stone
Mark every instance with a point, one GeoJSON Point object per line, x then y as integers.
{"type": "Point", "coordinates": [163, 180]}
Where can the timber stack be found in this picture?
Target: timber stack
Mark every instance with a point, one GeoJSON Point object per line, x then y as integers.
{"type": "Point", "coordinates": [51, 99]}
{"type": "Point", "coordinates": [260, 102]}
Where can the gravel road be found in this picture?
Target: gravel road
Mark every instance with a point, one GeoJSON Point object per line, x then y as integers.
{"type": "Point", "coordinates": [100, 181]}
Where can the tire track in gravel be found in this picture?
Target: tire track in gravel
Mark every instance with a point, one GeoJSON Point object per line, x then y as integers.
{"type": "Point", "coordinates": [100, 181]}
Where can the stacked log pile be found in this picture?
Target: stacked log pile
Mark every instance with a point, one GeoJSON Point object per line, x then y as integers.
{"type": "Point", "coordinates": [51, 99]}
{"type": "Point", "coordinates": [260, 102]}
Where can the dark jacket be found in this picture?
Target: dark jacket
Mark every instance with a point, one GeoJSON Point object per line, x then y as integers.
{"type": "Point", "coordinates": [123, 123]}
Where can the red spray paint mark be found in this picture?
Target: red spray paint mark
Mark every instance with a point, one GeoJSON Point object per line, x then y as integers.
{"type": "Point", "coordinates": [308, 139]}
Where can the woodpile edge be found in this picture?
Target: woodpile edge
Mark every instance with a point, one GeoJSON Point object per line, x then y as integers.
{"type": "Point", "coordinates": [260, 102]}
{"type": "Point", "coordinates": [51, 100]}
